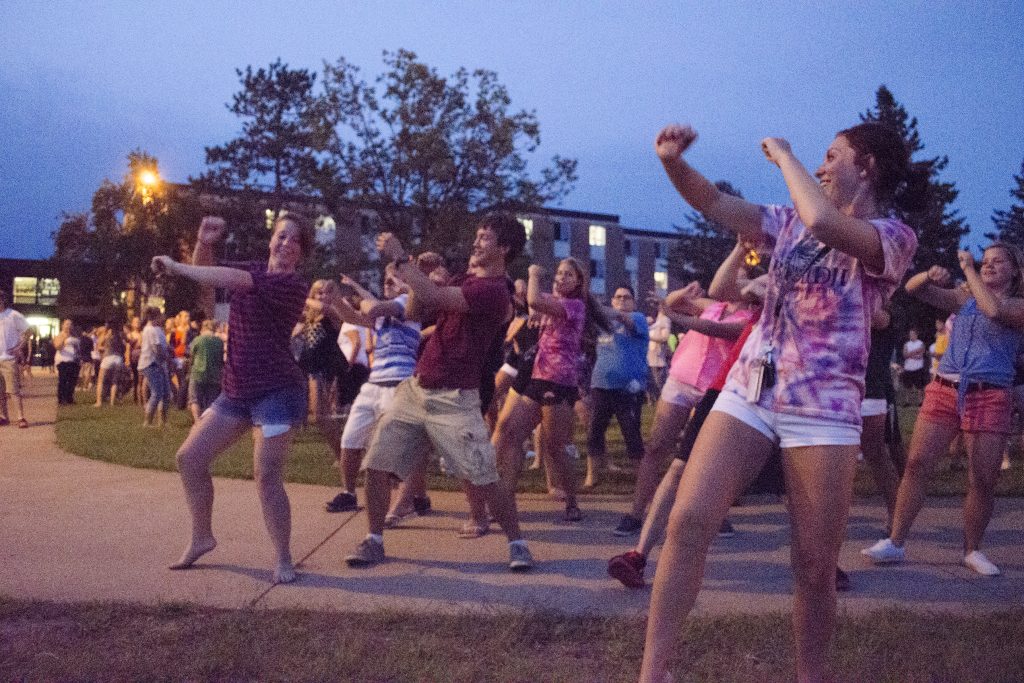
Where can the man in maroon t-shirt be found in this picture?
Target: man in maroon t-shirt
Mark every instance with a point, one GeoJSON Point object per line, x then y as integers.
{"type": "Point", "coordinates": [439, 407]}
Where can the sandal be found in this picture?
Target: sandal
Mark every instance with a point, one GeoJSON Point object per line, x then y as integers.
{"type": "Point", "coordinates": [22, 423]}
{"type": "Point", "coordinates": [473, 530]}
{"type": "Point", "coordinates": [573, 514]}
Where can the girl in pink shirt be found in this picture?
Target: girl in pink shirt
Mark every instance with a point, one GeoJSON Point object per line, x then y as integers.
{"type": "Point", "coordinates": [552, 390]}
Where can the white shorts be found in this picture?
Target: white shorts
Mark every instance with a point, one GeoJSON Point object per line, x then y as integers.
{"type": "Point", "coordinates": [372, 401]}
{"type": "Point", "coordinates": [680, 394]}
{"type": "Point", "coordinates": [788, 431]}
{"type": "Point", "coordinates": [111, 362]}
{"type": "Point", "coordinates": [509, 370]}
{"type": "Point", "coordinates": [870, 407]}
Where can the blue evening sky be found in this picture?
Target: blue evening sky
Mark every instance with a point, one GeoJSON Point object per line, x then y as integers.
{"type": "Point", "coordinates": [83, 83]}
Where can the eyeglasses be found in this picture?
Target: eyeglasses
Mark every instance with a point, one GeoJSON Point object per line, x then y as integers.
{"type": "Point", "coordinates": [623, 296]}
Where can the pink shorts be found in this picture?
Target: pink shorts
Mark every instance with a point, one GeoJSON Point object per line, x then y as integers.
{"type": "Point", "coordinates": [987, 410]}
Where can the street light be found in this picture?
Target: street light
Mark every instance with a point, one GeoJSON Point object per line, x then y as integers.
{"type": "Point", "coordinates": [147, 180]}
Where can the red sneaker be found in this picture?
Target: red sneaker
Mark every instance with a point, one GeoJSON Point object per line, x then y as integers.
{"type": "Point", "coordinates": [628, 568]}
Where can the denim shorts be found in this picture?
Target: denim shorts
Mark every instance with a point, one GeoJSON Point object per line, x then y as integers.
{"type": "Point", "coordinates": [275, 410]}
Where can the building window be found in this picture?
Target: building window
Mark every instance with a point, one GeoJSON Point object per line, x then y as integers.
{"type": "Point", "coordinates": [597, 235]}
{"type": "Point", "coordinates": [627, 247]}
{"type": "Point", "coordinates": [596, 268]}
{"type": "Point", "coordinates": [49, 289]}
{"type": "Point", "coordinates": [527, 227]}
{"type": "Point", "coordinates": [661, 280]}
{"type": "Point", "coordinates": [25, 290]}
{"type": "Point", "coordinates": [557, 230]}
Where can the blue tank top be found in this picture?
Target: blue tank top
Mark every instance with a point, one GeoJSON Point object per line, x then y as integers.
{"type": "Point", "coordinates": [981, 349]}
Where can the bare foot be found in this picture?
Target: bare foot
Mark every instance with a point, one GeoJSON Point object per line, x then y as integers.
{"type": "Point", "coordinates": [194, 552]}
{"type": "Point", "coordinates": [284, 573]}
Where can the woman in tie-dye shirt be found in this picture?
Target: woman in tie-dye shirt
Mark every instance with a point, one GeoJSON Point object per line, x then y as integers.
{"type": "Point", "coordinates": [552, 390]}
{"type": "Point", "coordinates": [836, 255]}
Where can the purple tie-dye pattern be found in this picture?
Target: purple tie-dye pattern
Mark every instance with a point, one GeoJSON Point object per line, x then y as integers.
{"type": "Point", "coordinates": [558, 350]}
{"type": "Point", "coordinates": [821, 338]}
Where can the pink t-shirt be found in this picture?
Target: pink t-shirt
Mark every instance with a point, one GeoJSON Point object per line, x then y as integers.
{"type": "Point", "coordinates": [698, 358]}
{"type": "Point", "coordinates": [559, 347]}
{"type": "Point", "coordinates": [821, 334]}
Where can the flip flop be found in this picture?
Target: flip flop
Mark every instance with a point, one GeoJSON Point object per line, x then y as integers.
{"type": "Point", "coordinates": [22, 423]}
{"type": "Point", "coordinates": [473, 530]}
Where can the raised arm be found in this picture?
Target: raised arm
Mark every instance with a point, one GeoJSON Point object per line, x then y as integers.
{"type": "Point", "coordinates": [932, 287]}
{"type": "Point", "coordinates": [853, 236]}
{"type": "Point", "coordinates": [724, 286]}
{"type": "Point", "coordinates": [1008, 310]}
{"type": "Point", "coordinates": [538, 300]}
{"type": "Point", "coordinates": [429, 295]}
{"type": "Point", "coordinates": [732, 212]}
{"type": "Point", "coordinates": [711, 328]}
{"type": "Point", "coordinates": [688, 300]}
{"type": "Point", "coordinates": [210, 230]}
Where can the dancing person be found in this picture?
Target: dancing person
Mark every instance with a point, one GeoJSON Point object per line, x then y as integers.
{"type": "Point", "coordinates": [618, 381]}
{"type": "Point", "coordinates": [15, 333]}
{"type": "Point", "coordinates": [395, 342]}
{"type": "Point", "coordinates": [711, 327]}
{"type": "Point", "coordinates": [264, 388]}
{"type": "Point", "coordinates": [439, 406]}
{"type": "Point", "coordinates": [133, 340]}
{"type": "Point", "coordinates": [799, 379]}
{"type": "Point", "coordinates": [880, 440]}
{"type": "Point", "coordinates": [315, 339]}
{"type": "Point", "coordinates": [970, 395]}
{"type": "Point", "coordinates": [153, 357]}
{"type": "Point", "coordinates": [659, 329]}
{"type": "Point", "coordinates": [549, 396]}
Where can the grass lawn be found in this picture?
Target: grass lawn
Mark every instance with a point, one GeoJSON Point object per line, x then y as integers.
{"type": "Point", "coordinates": [115, 434]}
{"type": "Point", "coordinates": [105, 641]}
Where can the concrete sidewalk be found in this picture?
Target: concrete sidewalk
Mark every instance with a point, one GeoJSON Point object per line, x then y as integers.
{"type": "Point", "coordinates": [74, 529]}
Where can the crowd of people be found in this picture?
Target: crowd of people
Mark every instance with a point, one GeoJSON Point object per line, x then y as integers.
{"type": "Point", "coordinates": [785, 372]}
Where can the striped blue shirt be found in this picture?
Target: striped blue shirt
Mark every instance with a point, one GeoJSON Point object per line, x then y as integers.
{"type": "Point", "coordinates": [396, 341]}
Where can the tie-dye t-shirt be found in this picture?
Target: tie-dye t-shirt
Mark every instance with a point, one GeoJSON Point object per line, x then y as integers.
{"type": "Point", "coordinates": [820, 335]}
{"type": "Point", "coordinates": [558, 350]}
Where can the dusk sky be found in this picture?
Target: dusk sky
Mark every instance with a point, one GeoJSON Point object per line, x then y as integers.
{"type": "Point", "coordinates": [84, 83]}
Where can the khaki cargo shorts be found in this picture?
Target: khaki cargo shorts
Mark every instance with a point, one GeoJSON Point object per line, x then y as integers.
{"type": "Point", "coordinates": [10, 378]}
{"type": "Point", "coordinates": [445, 420]}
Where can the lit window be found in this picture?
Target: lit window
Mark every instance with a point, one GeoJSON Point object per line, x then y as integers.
{"type": "Point", "coordinates": [49, 289]}
{"type": "Point", "coordinates": [527, 226]}
{"type": "Point", "coordinates": [597, 235]}
{"type": "Point", "coordinates": [661, 280]}
{"type": "Point", "coordinates": [25, 290]}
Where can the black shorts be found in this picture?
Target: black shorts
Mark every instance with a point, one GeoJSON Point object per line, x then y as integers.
{"type": "Point", "coordinates": [916, 379]}
{"type": "Point", "coordinates": [550, 394]}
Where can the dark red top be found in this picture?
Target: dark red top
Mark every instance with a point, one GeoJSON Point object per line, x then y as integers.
{"type": "Point", "coordinates": [260, 327]}
{"type": "Point", "coordinates": [454, 356]}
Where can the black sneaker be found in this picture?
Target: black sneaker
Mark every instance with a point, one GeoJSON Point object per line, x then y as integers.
{"type": "Point", "coordinates": [726, 530]}
{"type": "Point", "coordinates": [421, 505]}
{"type": "Point", "coordinates": [628, 526]}
{"type": "Point", "coordinates": [343, 502]}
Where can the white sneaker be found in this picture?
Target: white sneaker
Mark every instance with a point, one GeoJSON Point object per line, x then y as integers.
{"type": "Point", "coordinates": [979, 563]}
{"type": "Point", "coordinates": [884, 552]}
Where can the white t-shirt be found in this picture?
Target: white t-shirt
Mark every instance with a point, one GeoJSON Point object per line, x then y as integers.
{"type": "Point", "coordinates": [12, 326]}
{"type": "Point", "coordinates": [912, 364]}
{"type": "Point", "coordinates": [354, 357]}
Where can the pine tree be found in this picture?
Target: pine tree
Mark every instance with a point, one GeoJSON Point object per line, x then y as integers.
{"type": "Point", "coordinates": [1010, 223]}
{"type": "Point", "coordinates": [939, 227]}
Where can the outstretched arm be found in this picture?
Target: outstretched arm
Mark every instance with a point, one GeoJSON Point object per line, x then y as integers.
{"type": "Point", "coordinates": [932, 287]}
{"type": "Point", "coordinates": [724, 286]}
{"type": "Point", "coordinates": [429, 295]}
{"type": "Point", "coordinates": [823, 219]}
{"type": "Point", "coordinates": [211, 230]}
{"type": "Point", "coordinates": [734, 213]}
{"type": "Point", "coordinates": [711, 328]}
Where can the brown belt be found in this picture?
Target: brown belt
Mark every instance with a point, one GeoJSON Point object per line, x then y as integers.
{"type": "Point", "coordinates": [971, 386]}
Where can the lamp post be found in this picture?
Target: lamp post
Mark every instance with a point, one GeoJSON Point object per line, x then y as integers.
{"type": "Point", "coordinates": [147, 180]}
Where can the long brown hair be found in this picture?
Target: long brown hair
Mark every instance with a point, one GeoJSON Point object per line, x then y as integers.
{"type": "Point", "coordinates": [1017, 257]}
{"type": "Point", "coordinates": [595, 312]}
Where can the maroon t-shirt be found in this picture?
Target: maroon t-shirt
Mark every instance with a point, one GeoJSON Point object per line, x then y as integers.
{"type": "Point", "coordinates": [454, 356]}
{"type": "Point", "coordinates": [260, 327]}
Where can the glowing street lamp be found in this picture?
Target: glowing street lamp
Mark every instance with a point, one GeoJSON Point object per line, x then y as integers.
{"type": "Point", "coordinates": [147, 180]}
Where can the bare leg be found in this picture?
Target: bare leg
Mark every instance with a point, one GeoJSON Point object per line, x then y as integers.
{"type": "Point", "coordinates": [207, 439]}
{"type": "Point", "coordinates": [99, 387]}
{"type": "Point", "coordinates": [518, 417]}
{"type": "Point", "coordinates": [270, 455]}
{"type": "Point", "coordinates": [661, 506]}
{"type": "Point", "coordinates": [351, 458]}
{"type": "Point", "coordinates": [984, 457]}
{"type": "Point", "coordinates": [876, 454]}
{"type": "Point", "coordinates": [929, 442]}
{"type": "Point", "coordinates": [502, 503]}
{"type": "Point", "coordinates": [711, 480]}
{"type": "Point", "coordinates": [378, 496]}
{"type": "Point", "coordinates": [819, 485]}
{"type": "Point", "coordinates": [669, 420]}
{"type": "Point", "coordinates": [557, 430]}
